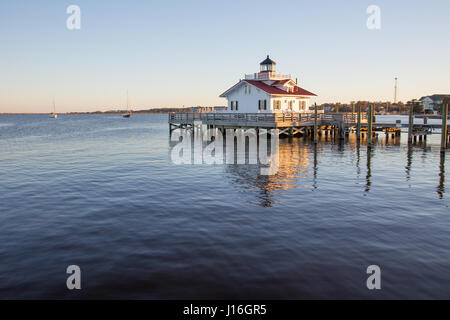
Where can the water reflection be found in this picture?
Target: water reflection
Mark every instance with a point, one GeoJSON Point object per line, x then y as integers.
{"type": "Point", "coordinates": [293, 164]}
{"type": "Point", "coordinates": [409, 154]}
{"type": "Point", "coordinates": [358, 159]}
{"type": "Point", "coordinates": [315, 166]}
{"type": "Point", "coordinates": [441, 186]}
{"type": "Point", "coordinates": [298, 159]}
{"type": "Point", "coordinates": [369, 169]}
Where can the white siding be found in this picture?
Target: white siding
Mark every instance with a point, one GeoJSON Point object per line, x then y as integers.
{"type": "Point", "coordinates": [248, 100]}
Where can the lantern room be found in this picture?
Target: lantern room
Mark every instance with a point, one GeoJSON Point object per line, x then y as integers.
{"type": "Point", "coordinates": [268, 65]}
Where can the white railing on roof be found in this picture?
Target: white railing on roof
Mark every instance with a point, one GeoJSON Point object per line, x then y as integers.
{"type": "Point", "coordinates": [267, 76]}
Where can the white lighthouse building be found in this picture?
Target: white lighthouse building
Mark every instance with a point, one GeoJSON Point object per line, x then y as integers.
{"type": "Point", "coordinates": [267, 92]}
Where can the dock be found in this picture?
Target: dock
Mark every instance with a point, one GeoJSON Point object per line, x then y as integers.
{"type": "Point", "coordinates": [312, 124]}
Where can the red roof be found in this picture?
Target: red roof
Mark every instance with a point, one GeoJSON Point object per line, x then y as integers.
{"type": "Point", "coordinates": [281, 82]}
{"type": "Point", "coordinates": [274, 90]}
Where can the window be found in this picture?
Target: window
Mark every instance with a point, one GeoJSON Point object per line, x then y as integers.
{"type": "Point", "coordinates": [234, 105]}
{"type": "Point", "coordinates": [277, 104]}
{"type": "Point", "coordinates": [291, 104]}
{"type": "Point", "coordinates": [266, 67]}
{"type": "Point", "coordinates": [303, 105]}
{"type": "Point", "coordinates": [262, 104]}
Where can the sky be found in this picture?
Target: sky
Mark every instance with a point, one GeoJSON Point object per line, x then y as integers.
{"type": "Point", "coordinates": [186, 53]}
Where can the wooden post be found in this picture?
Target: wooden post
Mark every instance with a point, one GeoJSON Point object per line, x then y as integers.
{"type": "Point", "coordinates": [410, 122]}
{"type": "Point", "coordinates": [358, 126]}
{"type": "Point", "coordinates": [369, 125]}
{"type": "Point", "coordinates": [444, 126]}
{"type": "Point", "coordinates": [315, 122]}
{"type": "Point", "coordinates": [341, 130]}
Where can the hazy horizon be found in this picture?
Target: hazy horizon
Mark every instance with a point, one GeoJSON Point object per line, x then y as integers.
{"type": "Point", "coordinates": [144, 108]}
{"type": "Point", "coordinates": [186, 53]}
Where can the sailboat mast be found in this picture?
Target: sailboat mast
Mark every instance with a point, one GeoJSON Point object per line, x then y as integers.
{"type": "Point", "coordinates": [54, 106]}
{"type": "Point", "coordinates": [127, 113]}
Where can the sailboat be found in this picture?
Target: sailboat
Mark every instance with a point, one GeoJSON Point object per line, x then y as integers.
{"type": "Point", "coordinates": [128, 113]}
{"type": "Point", "coordinates": [53, 114]}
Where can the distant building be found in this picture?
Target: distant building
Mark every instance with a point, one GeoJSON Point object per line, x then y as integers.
{"type": "Point", "coordinates": [267, 92]}
{"type": "Point", "coordinates": [202, 109]}
{"type": "Point", "coordinates": [432, 103]}
{"type": "Point", "coordinates": [327, 107]}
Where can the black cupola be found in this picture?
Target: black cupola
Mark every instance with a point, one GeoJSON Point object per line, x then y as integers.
{"type": "Point", "coordinates": [267, 65]}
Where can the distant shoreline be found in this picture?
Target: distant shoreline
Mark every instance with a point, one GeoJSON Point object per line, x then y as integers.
{"type": "Point", "coordinates": [69, 113]}
{"type": "Point", "coordinates": [156, 110]}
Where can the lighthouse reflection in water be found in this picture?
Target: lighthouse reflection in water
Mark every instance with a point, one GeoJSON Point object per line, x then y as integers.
{"type": "Point", "coordinates": [202, 145]}
{"type": "Point", "coordinates": [253, 157]}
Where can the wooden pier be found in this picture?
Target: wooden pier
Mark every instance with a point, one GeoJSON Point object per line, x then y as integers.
{"type": "Point", "coordinates": [338, 125]}
{"type": "Point", "coordinates": [287, 123]}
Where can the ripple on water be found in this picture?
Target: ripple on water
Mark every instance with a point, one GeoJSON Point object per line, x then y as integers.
{"type": "Point", "coordinates": [102, 193]}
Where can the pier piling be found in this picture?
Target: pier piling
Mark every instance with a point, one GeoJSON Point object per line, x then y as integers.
{"type": "Point", "coordinates": [410, 123]}
{"type": "Point", "coordinates": [444, 126]}
{"type": "Point", "coordinates": [358, 126]}
{"type": "Point", "coordinates": [369, 126]}
{"type": "Point", "coordinates": [315, 122]}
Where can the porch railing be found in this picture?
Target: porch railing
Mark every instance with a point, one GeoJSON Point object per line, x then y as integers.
{"type": "Point", "coordinates": [266, 117]}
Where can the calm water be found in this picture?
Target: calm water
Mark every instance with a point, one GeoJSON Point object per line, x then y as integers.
{"type": "Point", "coordinates": [101, 192]}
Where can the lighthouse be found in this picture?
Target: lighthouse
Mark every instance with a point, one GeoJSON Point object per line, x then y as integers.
{"type": "Point", "coordinates": [267, 92]}
{"type": "Point", "coordinates": [268, 65]}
